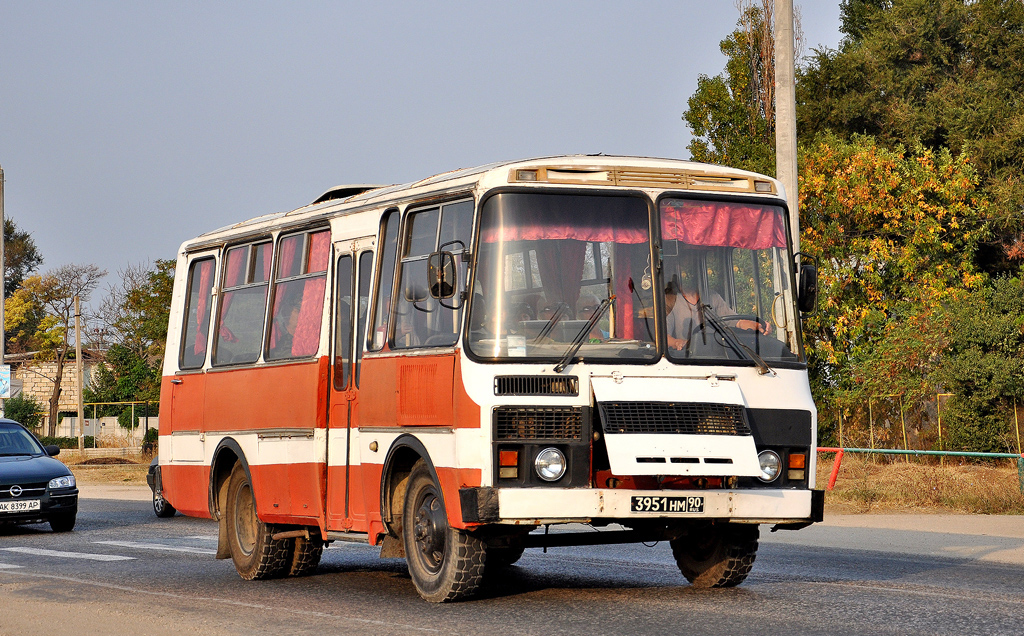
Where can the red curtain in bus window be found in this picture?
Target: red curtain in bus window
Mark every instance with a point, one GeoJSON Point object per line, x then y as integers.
{"type": "Point", "coordinates": [629, 260]}
{"type": "Point", "coordinates": [202, 306]}
{"type": "Point", "coordinates": [234, 276]}
{"type": "Point", "coordinates": [722, 224]}
{"type": "Point", "coordinates": [319, 252]}
{"type": "Point", "coordinates": [561, 268]}
{"type": "Point", "coordinates": [538, 231]}
{"type": "Point", "coordinates": [306, 339]}
{"type": "Point", "coordinates": [290, 260]}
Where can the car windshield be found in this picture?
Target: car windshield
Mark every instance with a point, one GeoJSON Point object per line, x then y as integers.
{"type": "Point", "coordinates": [15, 440]}
{"type": "Point", "coordinates": [727, 283]}
{"type": "Point", "coordinates": [548, 263]}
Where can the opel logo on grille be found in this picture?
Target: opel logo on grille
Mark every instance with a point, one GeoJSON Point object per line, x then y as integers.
{"type": "Point", "coordinates": [15, 491]}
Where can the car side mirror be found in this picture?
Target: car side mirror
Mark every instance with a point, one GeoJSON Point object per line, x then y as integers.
{"type": "Point", "coordinates": [52, 451]}
{"type": "Point", "coordinates": [807, 287]}
{"type": "Point", "coordinates": [441, 275]}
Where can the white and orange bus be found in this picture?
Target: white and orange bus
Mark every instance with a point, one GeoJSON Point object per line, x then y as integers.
{"type": "Point", "coordinates": [442, 367]}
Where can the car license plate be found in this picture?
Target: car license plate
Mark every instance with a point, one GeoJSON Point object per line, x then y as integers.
{"type": "Point", "coordinates": [19, 506]}
{"type": "Point", "coordinates": [689, 505]}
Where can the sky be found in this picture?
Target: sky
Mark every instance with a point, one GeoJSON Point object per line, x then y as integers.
{"type": "Point", "coordinates": [127, 128]}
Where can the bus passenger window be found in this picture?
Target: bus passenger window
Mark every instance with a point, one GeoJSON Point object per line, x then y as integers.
{"type": "Point", "coordinates": [200, 284]}
{"type": "Point", "coordinates": [299, 295]}
{"type": "Point", "coordinates": [243, 304]}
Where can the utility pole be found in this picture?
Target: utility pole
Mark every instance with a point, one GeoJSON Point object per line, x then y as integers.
{"type": "Point", "coordinates": [78, 368]}
{"type": "Point", "coordinates": [3, 279]}
{"type": "Point", "coordinates": [785, 113]}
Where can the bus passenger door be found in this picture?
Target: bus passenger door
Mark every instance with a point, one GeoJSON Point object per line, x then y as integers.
{"type": "Point", "coordinates": [346, 510]}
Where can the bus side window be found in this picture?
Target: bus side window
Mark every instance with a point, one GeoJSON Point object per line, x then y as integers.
{"type": "Point", "coordinates": [385, 279]}
{"type": "Point", "coordinates": [343, 323]}
{"type": "Point", "coordinates": [422, 320]}
{"type": "Point", "coordinates": [365, 274]}
{"type": "Point", "coordinates": [197, 324]}
{"type": "Point", "coordinates": [299, 295]}
{"type": "Point", "coordinates": [243, 304]}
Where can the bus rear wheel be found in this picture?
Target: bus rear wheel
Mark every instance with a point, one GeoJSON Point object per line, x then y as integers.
{"type": "Point", "coordinates": [306, 555]}
{"type": "Point", "coordinates": [445, 564]}
{"type": "Point", "coordinates": [716, 556]}
{"type": "Point", "coordinates": [255, 553]}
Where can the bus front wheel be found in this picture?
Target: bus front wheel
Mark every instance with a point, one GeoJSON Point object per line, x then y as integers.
{"type": "Point", "coordinates": [255, 553]}
{"type": "Point", "coordinates": [445, 564]}
{"type": "Point", "coordinates": [716, 556]}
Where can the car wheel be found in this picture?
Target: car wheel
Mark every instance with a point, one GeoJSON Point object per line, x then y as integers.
{"type": "Point", "coordinates": [445, 564]}
{"type": "Point", "coordinates": [255, 553]}
{"type": "Point", "coordinates": [717, 556]}
{"type": "Point", "coordinates": [161, 506]}
{"type": "Point", "coordinates": [63, 521]}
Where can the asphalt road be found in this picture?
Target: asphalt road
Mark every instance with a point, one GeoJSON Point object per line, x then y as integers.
{"type": "Point", "coordinates": [123, 571]}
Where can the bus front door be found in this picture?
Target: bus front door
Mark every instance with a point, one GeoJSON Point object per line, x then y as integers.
{"type": "Point", "coordinates": [346, 510]}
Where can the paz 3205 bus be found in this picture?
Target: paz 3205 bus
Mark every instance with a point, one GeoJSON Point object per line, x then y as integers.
{"type": "Point", "coordinates": [444, 367]}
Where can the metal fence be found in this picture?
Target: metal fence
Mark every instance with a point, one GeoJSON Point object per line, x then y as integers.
{"type": "Point", "coordinates": [890, 421]}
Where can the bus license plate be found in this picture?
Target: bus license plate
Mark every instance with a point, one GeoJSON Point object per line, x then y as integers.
{"type": "Point", "coordinates": [690, 505]}
{"type": "Point", "coordinates": [19, 506]}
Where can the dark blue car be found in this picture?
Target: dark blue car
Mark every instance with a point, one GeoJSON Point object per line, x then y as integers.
{"type": "Point", "coordinates": [34, 487]}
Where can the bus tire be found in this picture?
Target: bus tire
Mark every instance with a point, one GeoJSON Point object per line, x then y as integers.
{"type": "Point", "coordinates": [306, 555]}
{"type": "Point", "coordinates": [498, 558]}
{"type": "Point", "coordinates": [445, 564]}
{"type": "Point", "coordinates": [717, 556]}
{"type": "Point", "coordinates": [256, 555]}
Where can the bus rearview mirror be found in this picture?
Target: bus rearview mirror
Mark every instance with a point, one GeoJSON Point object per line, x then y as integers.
{"type": "Point", "coordinates": [441, 274]}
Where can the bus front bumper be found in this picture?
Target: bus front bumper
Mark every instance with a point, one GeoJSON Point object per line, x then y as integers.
{"type": "Point", "coordinates": [536, 506]}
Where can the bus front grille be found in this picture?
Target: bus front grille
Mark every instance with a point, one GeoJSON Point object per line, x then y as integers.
{"type": "Point", "coordinates": [538, 422]}
{"type": "Point", "coordinates": [692, 418]}
{"type": "Point", "coordinates": [536, 385]}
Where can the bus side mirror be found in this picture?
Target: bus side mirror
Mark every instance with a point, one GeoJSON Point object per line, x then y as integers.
{"type": "Point", "coordinates": [807, 288]}
{"type": "Point", "coordinates": [441, 275]}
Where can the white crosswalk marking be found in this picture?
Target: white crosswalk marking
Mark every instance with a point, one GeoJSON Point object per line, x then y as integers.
{"type": "Point", "coordinates": [69, 555]}
{"type": "Point", "coordinates": [156, 546]}
{"type": "Point", "coordinates": [7, 566]}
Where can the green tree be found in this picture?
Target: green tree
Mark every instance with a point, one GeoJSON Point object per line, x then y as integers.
{"type": "Point", "coordinates": [53, 294]}
{"type": "Point", "coordinates": [21, 257]}
{"type": "Point", "coordinates": [982, 365]}
{"type": "Point", "coordinates": [137, 311]}
{"type": "Point", "coordinates": [894, 233]}
{"type": "Point", "coordinates": [942, 73]}
{"type": "Point", "coordinates": [732, 115]}
{"type": "Point", "coordinates": [124, 376]}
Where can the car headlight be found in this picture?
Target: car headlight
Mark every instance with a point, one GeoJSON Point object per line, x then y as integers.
{"type": "Point", "coordinates": [550, 464]}
{"type": "Point", "coordinates": [62, 482]}
{"type": "Point", "coordinates": [771, 465]}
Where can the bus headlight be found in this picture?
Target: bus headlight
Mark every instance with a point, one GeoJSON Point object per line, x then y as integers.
{"type": "Point", "coordinates": [771, 465]}
{"type": "Point", "coordinates": [550, 464]}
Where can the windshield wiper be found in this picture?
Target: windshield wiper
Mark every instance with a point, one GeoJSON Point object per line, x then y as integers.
{"type": "Point", "coordinates": [734, 343]}
{"type": "Point", "coordinates": [583, 333]}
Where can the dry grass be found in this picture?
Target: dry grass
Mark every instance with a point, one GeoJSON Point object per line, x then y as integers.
{"type": "Point", "coordinates": [107, 470]}
{"type": "Point", "coordinates": [881, 485]}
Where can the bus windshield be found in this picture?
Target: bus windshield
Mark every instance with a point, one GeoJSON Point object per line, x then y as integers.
{"type": "Point", "coordinates": [727, 291]}
{"type": "Point", "coordinates": [554, 269]}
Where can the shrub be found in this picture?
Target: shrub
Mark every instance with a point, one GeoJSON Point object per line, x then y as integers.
{"type": "Point", "coordinates": [25, 410]}
{"type": "Point", "coordinates": [66, 442]}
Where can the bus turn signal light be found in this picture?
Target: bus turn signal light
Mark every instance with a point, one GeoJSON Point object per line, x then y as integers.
{"type": "Point", "coordinates": [508, 464]}
{"type": "Point", "coordinates": [797, 460]}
